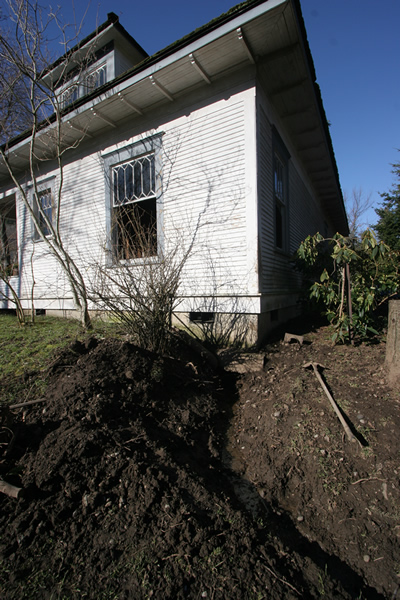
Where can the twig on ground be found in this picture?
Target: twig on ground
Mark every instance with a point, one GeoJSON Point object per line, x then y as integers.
{"type": "Point", "coordinates": [367, 479]}
{"type": "Point", "coordinates": [282, 580]}
{"type": "Point", "coordinates": [315, 366]}
{"type": "Point", "coordinates": [23, 404]}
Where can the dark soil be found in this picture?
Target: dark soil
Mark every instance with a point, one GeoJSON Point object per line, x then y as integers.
{"type": "Point", "coordinates": [148, 477]}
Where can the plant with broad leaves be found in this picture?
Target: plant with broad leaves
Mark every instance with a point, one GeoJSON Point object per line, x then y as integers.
{"type": "Point", "coordinates": [351, 277]}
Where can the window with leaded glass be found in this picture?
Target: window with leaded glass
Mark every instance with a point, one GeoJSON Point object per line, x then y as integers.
{"type": "Point", "coordinates": [70, 95]}
{"type": "Point", "coordinates": [279, 195]}
{"type": "Point", "coordinates": [43, 206]}
{"type": "Point", "coordinates": [280, 180]}
{"type": "Point", "coordinates": [8, 237]}
{"type": "Point", "coordinates": [134, 208]}
{"type": "Point", "coordinates": [95, 79]}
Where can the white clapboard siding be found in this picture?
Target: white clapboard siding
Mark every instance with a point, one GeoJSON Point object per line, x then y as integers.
{"type": "Point", "coordinates": [208, 179]}
{"type": "Point", "coordinates": [303, 211]}
{"type": "Point", "coordinates": [204, 181]}
{"type": "Point", "coordinates": [81, 221]}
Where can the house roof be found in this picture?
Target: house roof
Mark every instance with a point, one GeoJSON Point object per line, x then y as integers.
{"type": "Point", "coordinates": [269, 34]}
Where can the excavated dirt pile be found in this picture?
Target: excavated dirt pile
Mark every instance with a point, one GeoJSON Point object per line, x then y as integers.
{"type": "Point", "coordinates": [149, 477]}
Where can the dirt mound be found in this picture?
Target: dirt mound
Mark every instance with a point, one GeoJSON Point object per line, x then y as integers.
{"type": "Point", "coordinates": [153, 477]}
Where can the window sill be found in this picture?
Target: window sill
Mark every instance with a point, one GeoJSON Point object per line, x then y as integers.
{"type": "Point", "coordinates": [135, 262]}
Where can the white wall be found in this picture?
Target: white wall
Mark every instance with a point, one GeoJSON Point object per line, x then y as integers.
{"type": "Point", "coordinates": [304, 214]}
{"type": "Point", "coordinates": [209, 177]}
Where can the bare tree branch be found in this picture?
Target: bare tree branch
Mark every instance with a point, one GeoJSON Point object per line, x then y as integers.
{"type": "Point", "coordinates": [24, 59]}
{"type": "Point", "coordinates": [356, 206]}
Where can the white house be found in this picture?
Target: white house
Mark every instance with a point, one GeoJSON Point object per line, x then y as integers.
{"type": "Point", "coordinates": [219, 140]}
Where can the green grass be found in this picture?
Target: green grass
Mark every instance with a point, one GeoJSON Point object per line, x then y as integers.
{"type": "Point", "coordinates": [30, 350]}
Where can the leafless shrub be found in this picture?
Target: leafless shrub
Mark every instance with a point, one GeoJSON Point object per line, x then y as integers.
{"type": "Point", "coordinates": [140, 294]}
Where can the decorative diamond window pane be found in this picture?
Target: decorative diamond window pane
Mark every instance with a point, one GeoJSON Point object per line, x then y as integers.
{"type": "Point", "coordinates": [134, 180]}
{"type": "Point", "coordinates": [69, 96]}
{"type": "Point", "coordinates": [115, 187]}
{"type": "Point", "coordinates": [96, 79]}
{"type": "Point", "coordinates": [278, 179]}
{"type": "Point", "coordinates": [128, 182]}
{"type": "Point", "coordinates": [102, 76]}
{"type": "Point", "coordinates": [137, 179]}
{"type": "Point", "coordinates": [148, 165]}
{"type": "Point", "coordinates": [46, 206]}
{"type": "Point", "coordinates": [119, 186]}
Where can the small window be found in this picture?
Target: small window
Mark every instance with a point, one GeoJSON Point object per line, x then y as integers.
{"type": "Point", "coordinates": [70, 95]}
{"type": "Point", "coordinates": [8, 237]}
{"type": "Point", "coordinates": [134, 212]}
{"type": "Point", "coordinates": [43, 206]}
{"type": "Point", "coordinates": [280, 202]}
{"type": "Point", "coordinates": [95, 79]}
{"type": "Point", "coordinates": [201, 317]}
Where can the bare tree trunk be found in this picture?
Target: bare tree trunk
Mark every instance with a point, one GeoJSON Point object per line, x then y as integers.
{"type": "Point", "coordinates": [393, 343]}
{"type": "Point", "coordinates": [14, 299]}
{"type": "Point", "coordinates": [349, 303]}
{"type": "Point", "coordinates": [23, 52]}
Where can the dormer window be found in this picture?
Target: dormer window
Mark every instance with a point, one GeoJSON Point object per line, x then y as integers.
{"type": "Point", "coordinates": [89, 82]}
{"type": "Point", "coordinates": [95, 79]}
{"type": "Point", "coordinates": [70, 95]}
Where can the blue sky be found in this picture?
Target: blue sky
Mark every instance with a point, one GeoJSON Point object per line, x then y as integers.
{"type": "Point", "coordinates": [356, 50]}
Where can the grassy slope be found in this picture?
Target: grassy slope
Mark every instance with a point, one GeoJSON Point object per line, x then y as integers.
{"type": "Point", "coordinates": [26, 352]}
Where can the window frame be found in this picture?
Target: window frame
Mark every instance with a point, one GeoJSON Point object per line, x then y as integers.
{"type": "Point", "coordinates": [115, 158]}
{"type": "Point", "coordinates": [43, 187]}
{"type": "Point", "coordinates": [80, 87]}
{"type": "Point", "coordinates": [9, 246]}
{"type": "Point", "coordinates": [88, 88]}
{"type": "Point", "coordinates": [69, 95]}
{"type": "Point", "coordinates": [280, 188]}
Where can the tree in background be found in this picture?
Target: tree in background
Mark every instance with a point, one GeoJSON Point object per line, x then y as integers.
{"type": "Point", "coordinates": [388, 226]}
{"type": "Point", "coordinates": [357, 204]}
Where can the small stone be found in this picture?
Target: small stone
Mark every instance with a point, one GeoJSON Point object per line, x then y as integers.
{"type": "Point", "coordinates": [277, 414]}
{"type": "Point", "coordinates": [366, 558]}
{"type": "Point", "coordinates": [300, 518]}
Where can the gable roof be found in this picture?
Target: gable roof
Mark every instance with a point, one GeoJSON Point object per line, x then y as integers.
{"type": "Point", "coordinates": [268, 33]}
